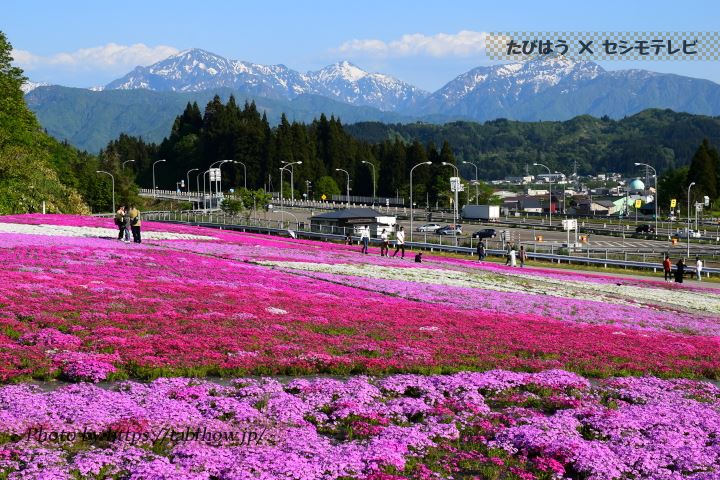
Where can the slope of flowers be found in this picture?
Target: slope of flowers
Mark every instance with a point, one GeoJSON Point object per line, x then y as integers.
{"type": "Point", "coordinates": [496, 424]}
{"type": "Point", "coordinates": [225, 304]}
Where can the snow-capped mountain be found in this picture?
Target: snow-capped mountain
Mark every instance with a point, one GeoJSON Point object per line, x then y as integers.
{"type": "Point", "coordinates": [346, 82]}
{"type": "Point", "coordinates": [559, 88]}
{"type": "Point", "coordinates": [500, 87]}
{"type": "Point", "coordinates": [29, 86]}
{"type": "Point", "coordinates": [198, 70]}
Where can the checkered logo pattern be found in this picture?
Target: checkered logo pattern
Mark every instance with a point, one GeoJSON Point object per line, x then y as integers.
{"type": "Point", "coordinates": [669, 46]}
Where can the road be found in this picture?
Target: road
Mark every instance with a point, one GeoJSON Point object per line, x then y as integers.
{"type": "Point", "coordinates": [552, 240]}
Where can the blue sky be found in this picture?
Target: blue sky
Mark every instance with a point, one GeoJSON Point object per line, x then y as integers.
{"type": "Point", "coordinates": [88, 43]}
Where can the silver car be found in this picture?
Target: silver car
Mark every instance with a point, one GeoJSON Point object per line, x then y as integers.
{"type": "Point", "coordinates": [428, 227]}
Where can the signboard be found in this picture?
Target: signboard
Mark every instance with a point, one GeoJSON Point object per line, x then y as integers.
{"type": "Point", "coordinates": [638, 203]}
{"type": "Point", "coordinates": [323, 197]}
{"type": "Point", "coordinates": [706, 201]}
{"type": "Point", "coordinates": [569, 224]}
{"type": "Point", "coordinates": [214, 174]}
{"type": "Point", "coordinates": [456, 185]}
{"type": "Point", "coordinates": [673, 203]}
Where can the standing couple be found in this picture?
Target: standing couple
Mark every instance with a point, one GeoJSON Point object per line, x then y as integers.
{"type": "Point", "coordinates": [128, 220]}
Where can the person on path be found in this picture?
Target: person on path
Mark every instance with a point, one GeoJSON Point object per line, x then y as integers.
{"type": "Point", "coordinates": [698, 268]}
{"type": "Point", "coordinates": [523, 256]}
{"type": "Point", "coordinates": [513, 257]}
{"type": "Point", "coordinates": [508, 249]}
{"type": "Point", "coordinates": [135, 223]}
{"type": "Point", "coordinates": [679, 270]}
{"type": "Point", "coordinates": [400, 242]}
{"type": "Point", "coordinates": [667, 268]}
{"type": "Point", "coordinates": [365, 239]}
{"type": "Point", "coordinates": [481, 251]}
{"type": "Point", "coordinates": [385, 247]}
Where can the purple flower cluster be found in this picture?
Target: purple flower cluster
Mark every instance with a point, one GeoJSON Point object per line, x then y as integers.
{"type": "Point", "coordinates": [403, 426]}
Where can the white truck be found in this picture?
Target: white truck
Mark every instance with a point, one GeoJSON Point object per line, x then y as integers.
{"type": "Point", "coordinates": [481, 212]}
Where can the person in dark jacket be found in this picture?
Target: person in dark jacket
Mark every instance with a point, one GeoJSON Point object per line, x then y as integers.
{"type": "Point", "coordinates": [120, 222]}
{"type": "Point", "coordinates": [679, 270]}
{"type": "Point", "coordinates": [481, 251]}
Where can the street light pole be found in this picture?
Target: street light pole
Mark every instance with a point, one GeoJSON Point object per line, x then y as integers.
{"type": "Point", "coordinates": [113, 186]}
{"type": "Point", "coordinates": [549, 188]}
{"type": "Point", "coordinates": [244, 172]}
{"type": "Point", "coordinates": [657, 196]}
{"type": "Point", "coordinates": [204, 190]}
{"type": "Point", "coordinates": [455, 209]}
{"type": "Point", "coordinates": [688, 222]}
{"type": "Point", "coordinates": [476, 179]}
{"type": "Point", "coordinates": [373, 176]}
{"type": "Point", "coordinates": [153, 172]}
{"type": "Point", "coordinates": [411, 197]}
{"type": "Point", "coordinates": [188, 177]}
{"type": "Point", "coordinates": [347, 185]}
{"type": "Point", "coordinates": [126, 161]}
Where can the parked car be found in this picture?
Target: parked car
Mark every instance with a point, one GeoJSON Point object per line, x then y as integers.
{"type": "Point", "coordinates": [428, 227]}
{"type": "Point", "coordinates": [644, 229]}
{"type": "Point", "coordinates": [685, 233]}
{"type": "Point", "coordinates": [450, 230]}
{"type": "Point", "coordinates": [485, 233]}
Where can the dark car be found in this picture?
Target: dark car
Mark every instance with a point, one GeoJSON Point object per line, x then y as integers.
{"type": "Point", "coordinates": [644, 229]}
{"type": "Point", "coordinates": [485, 233]}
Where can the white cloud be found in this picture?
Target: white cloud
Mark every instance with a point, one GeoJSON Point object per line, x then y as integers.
{"type": "Point", "coordinates": [110, 57]}
{"type": "Point", "coordinates": [462, 44]}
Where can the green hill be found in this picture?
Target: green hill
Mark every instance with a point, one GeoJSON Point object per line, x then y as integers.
{"type": "Point", "coordinates": [662, 138]}
{"type": "Point", "coordinates": [28, 157]}
{"type": "Point", "coordinates": [89, 119]}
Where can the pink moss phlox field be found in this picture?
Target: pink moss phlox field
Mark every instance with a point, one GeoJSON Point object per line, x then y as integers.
{"type": "Point", "coordinates": [96, 309]}
{"type": "Point", "coordinates": [553, 424]}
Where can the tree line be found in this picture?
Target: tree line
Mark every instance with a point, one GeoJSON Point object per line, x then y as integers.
{"type": "Point", "coordinates": [228, 131]}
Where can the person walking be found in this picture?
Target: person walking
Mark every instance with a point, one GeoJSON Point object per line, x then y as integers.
{"type": "Point", "coordinates": [523, 256]}
{"type": "Point", "coordinates": [135, 223]}
{"type": "Point", "coordinates": [481, 251]}
{"type": "Point", "coordinates": [400, 242]}
{"type": "Point", "coordinates": [508, 249]}
{"type": "Point", "coordinates": [365, 239]}
{"type": "Point", "coordinates": [513, 257]}
{"type": "Point", "coordinates": [667, 268]}
{"type": "Point", "coordinates": [679, 270]}
{"type": "Point", "coordinates": [385, 246]}
{"type": "Point", "coordinates": [698, 268]}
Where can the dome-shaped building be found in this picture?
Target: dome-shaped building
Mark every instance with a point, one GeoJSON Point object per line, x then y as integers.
{"type": "Point", "coordinates": [636, 186]}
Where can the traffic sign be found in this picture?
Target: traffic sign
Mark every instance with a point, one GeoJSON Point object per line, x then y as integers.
{"type": "Point", "coordinates": [638, 203]}
{"type": "Point", "coordinates": [323, 197]}
{"type": "Point", "coordinates": [456, 185]}
{"type": "Point", "coordinates": [673, 203]}
{"type": "Point", "coordinates": [569, 224]}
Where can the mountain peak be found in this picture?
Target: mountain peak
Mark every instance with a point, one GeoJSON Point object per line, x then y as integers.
{"type": "Point", "coordinates": [344, 70]}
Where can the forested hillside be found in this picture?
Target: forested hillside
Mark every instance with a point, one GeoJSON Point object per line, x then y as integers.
{"type": "Point", "coordinates": [662, 138]}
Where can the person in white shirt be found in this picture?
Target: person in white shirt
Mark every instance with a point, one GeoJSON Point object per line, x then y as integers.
{"type": "Point", "coordinates": [513, 257]}
{"type": "Point", "coordinates": [698, 268]}
{"type": "Point", "coordinates": [385, 247]}
{"type": "Point", "coordinates": [365, 239]}
{"type": "Point", "coordinates": [400, 242]}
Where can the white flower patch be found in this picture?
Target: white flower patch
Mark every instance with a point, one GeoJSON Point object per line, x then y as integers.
{"type": "Point", "coordinates": [514, 282]}
{"type": "Point", "coordinates": [90, 232]}
{"type": "Point", "coordinates": [276, 311]}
